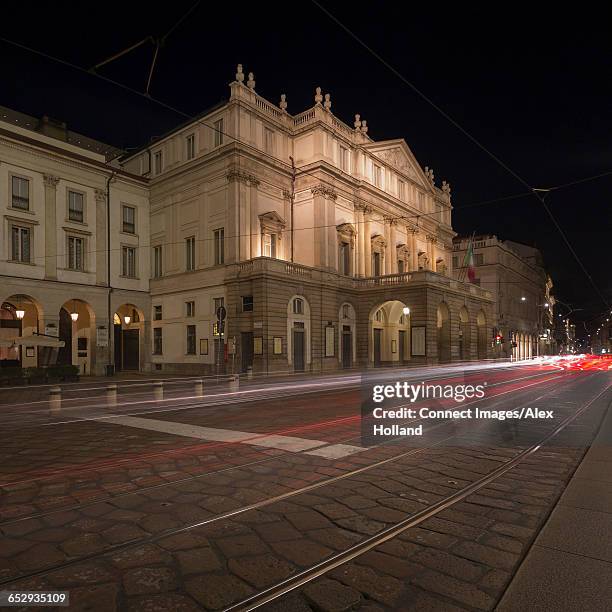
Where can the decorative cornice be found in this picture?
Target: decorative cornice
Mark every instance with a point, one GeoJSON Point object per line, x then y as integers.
{"type": "Point", "coordinates": [100, 195]}
{"type": "Point", "coordinates": [326, 192]}
{"type": "Point", "coordinates": [242, 177]}
{"type": "Point", "coordinates": [50, 180]}
{"type": "Point", "coordinates": [287, 194]}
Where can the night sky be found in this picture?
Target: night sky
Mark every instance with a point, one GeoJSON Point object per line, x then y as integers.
{"type": "Point", "coordinates": [535, 89]}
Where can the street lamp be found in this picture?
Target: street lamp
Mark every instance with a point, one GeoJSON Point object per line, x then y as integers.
{"type": "Point", "coordinates": [20, 313]}
{"type": "Point", "coordinates": [406, 310]}
{"type": "Point", "coordinates": [74, 315]}
{"type": "Point", "coordinates": [127, 319]}
{"type": "Point", "coordinates": [523, 299]}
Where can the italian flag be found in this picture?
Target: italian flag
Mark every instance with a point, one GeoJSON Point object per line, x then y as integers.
{"type": "Point", "coordinates": [469, 262]}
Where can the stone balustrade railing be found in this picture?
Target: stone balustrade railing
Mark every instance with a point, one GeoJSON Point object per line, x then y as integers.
{"type": "Point", "coordinates": [281, 267]}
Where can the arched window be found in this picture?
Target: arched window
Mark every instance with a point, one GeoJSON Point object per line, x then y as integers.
{"type": "Point", "coordinates": [378, 316]}
{"type": "Point", "coordinates": [298, 306]}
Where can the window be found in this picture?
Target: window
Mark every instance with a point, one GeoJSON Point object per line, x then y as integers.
{"type": "Point", "coordinates": [344, 159]}
{"type": "Point", "coordinates": [400, 266]}
{"type": "Point", "coordinates": [157, 341]}
{"type": "Point", "coordinates": [478, 259]}
{"type": "Point", "coordinates": [20, 193]}
{"type": "Point", "coordinates": [218, 303]}
{"type": "Point", "coordinates": [298, 306]}
{"type": "Point", "coordinates": [378, 317]}
{"type": "Point", "coordinates": [345, 311]}
{"type": "Point", "coordinates": [157, 262]}
{"type": "Point", "coordinates": [377, 176]}
{"type": "Point", "coordinates": [190, 253]}
{"type": "Point", "coordinates": [269, 245]}
{"type": "Point", "coordinates": [455, 262]}
{"type": "Point", "coordinates": [376, 264]}
{"type": "Point", "coordinates": [75, 206]}
{"type": "Point", "coordinates": [157, 312]}
{"type": "Point", "coordinates": [128, 219]}
{"type": "Point", "coordinates": [75, 253]}
{"type": "Point", "coordinates": [219, 246]}
{"type": "Point", "coordinates": [190, 145]}
{"type": "Point", "coordinates": [191, 340]}
{"type": "Point", "coordinates": [189, 309]}
{"type": "Point", "coordinates": [20, 244]}
{"type": "Point", "coordinates": [158, 162]}
{"type": "Point", "coordinates": [218, 135]}
{"type": "Point", "coordinates": [128, 261]}
{"type": "Point", "coordinates": [247, 303]}
{"type": "Point", "coordinates": [345, 258]}
{"type": "Point", "coordinates": [401, 190]}
{"type": "Point", "coordinates": [268, 140]}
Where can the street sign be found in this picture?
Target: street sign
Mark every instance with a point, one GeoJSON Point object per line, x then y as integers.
{"type": "Point", "coordinates": [221, 313]}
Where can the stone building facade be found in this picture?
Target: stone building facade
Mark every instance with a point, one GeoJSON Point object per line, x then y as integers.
{"type": "Point", "coordinates": [312, 236]}
{"type": "Point", "coordinates": [514, 273]}
{"type": "Point", "coordinates": [57, 301]}
{"type": "Point", "coordinates": [325, 248]}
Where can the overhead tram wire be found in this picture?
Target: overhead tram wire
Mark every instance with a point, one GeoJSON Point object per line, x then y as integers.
{"type": "Point", "coordinates": [385, 63]}
{"type": "Point", "coordinates": [471, 138]}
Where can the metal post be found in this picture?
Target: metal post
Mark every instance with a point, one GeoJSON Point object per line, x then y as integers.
{"type": "Point", "coordinates": [158, 391]}
{"type": "Point", "coordinates": [199, 387]}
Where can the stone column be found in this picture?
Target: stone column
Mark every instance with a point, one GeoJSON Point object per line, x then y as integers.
{"type": "Point", "coordinates": [255, 227]}
{"type": "Point", "coordinates": [101, 235]}
{"type": "Point", "coordinates": [393, 247]}
{"type": "Point", "coordinates": [414, 255]}
{"type": "Point", "coordinates": [367, 239]}
{"type": "Point", "coordinates": [50, 226]}
{"type": "Point", "coordinates": [360, 242]}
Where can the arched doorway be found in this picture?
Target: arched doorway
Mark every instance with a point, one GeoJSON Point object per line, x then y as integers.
{"type": "Point", "coordinates": [481, 322]}
{"type": "Point", "coordinates": [298, 333]}
{"type": "Point", "coordinates": [19, 320]}
{"type": "Point", "coordinates": [389, 333]}
{"type": "Point", "coordinates": [444, 332]}
{"type": "Point", "coordinates": [128, 337]}
{"type": "Point", "coordinates": [77, 324]}
{"type": "Point", "coordinates": [464, 334]}
{"type": "Point", "coordinates": [346, 335]}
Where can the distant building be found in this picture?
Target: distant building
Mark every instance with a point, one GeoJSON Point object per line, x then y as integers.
{"type": "Point", "coordinates": [323, 248]}
{"type": "Point", "coordinates": [522, 290]}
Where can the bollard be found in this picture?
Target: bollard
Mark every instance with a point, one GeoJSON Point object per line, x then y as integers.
{"type": "Point", "coordinates": [158, 391]}
{"type": "Point", "coordinates": [111, 395]}
{"type": "Point", "coordinates": [234, 383]}
{"type": "Point", "coordinates": [249, 372]}
{"type": "Point", "coordinates": [55, 399]}
{"type": "Point", "coordinates": [199, 388]}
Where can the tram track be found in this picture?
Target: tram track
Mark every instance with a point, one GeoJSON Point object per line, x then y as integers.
{"type": "Point", "coordinates": [190, 450]}
{"type": "Point", "coordinates": [151, 539]}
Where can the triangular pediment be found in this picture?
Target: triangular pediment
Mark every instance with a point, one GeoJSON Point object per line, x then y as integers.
{"type": "Point", "coordinates": [397, 154]}
{"type": "Point", "coordinates": [272, 218]}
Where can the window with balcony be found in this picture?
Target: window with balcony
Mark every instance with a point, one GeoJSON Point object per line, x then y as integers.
{"type": "Point", "coordinates": [21, 238]}
{"type": "Point", "coordinates": [76, 206]}
{"type": "Point", "coordinates": [75, 253]}
{"type": "Point", "coordinates": [128, 261]}
{"type": "Point", "coordinates": [128, 219]}
{"type": "Point", "coordinates": [20, 188]}
{"type": "Point", "coordinates": [345, 258]}
{"type": "Point", "coordinates": [269, 245]}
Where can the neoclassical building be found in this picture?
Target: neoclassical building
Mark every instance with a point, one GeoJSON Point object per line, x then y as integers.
{"type": "Point", "coordinates": [514, 273]}
{"type": "Point", "coordinates": [325, 248]}
{"type": "Point", "coordinates": [67, 215]}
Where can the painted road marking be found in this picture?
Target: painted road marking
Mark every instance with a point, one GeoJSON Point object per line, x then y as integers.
{"type": "Point", "coordinates": [213, 434]}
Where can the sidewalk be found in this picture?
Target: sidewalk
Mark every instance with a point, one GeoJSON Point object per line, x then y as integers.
{"type": "Point", "coordinates": [569, 566]}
